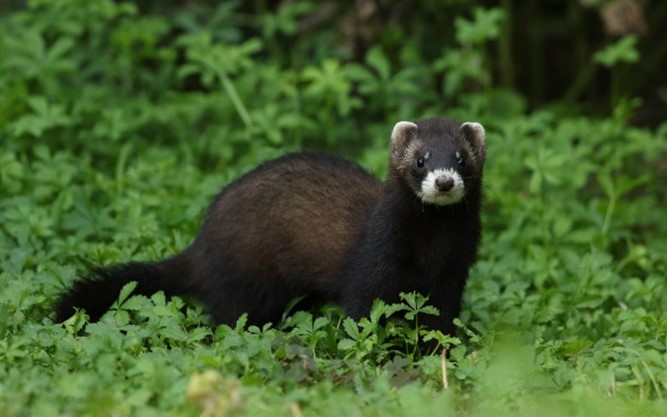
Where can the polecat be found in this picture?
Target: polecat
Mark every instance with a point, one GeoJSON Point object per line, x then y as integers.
{"type": "Point", "coordinates": [318, 225]}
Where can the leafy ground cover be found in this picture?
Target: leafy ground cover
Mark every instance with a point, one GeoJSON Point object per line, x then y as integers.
{"type": "Point", "coordinates": [118, 127]}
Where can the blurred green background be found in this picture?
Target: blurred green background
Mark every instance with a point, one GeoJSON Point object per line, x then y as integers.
{"type": "Point", "coordinates": [322, 74]}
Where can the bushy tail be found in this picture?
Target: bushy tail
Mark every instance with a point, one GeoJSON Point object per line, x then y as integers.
{"type": "Point", "coordinates": [97, 292]}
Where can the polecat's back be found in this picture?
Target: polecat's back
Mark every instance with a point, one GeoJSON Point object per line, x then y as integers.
{"type": "Point", "coordinates": [281, 231]}
{"type": "Point", "coordinates": [284, 228]}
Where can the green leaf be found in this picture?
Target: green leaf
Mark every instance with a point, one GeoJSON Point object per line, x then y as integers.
{"type": "Point", "coordinates": [484, 26]}
{"type": "Point", "coordinates": [45, 116]}
{"type": "Point", "coordinates": [622, 51]}
{"type": "Point", "coordinates": [346, 344]}
{"type": "Point", "coordinates": [351, 328]}
{"type": "Point", "coordinates": [377, 60]}
{"type": "Point", "coordinates": [126, 291]}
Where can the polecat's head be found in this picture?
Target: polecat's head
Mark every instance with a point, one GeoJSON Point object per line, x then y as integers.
{"type": "Point", "coordinates": [439, 159]}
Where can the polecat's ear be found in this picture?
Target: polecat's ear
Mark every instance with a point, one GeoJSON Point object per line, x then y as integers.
{"type": "Point", "coordinates": [476, 136]}
{"type": "Point", "coordinates": [401, 135]}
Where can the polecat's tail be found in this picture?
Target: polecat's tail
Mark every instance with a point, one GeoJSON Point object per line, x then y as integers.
{"type": "Point", "coordinates": [97, 292]}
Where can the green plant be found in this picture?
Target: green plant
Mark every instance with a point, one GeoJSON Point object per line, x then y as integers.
{"type": "Point", "coordinates": [613, 56]}
{"type": "Point", "coordinates": [120, 122]}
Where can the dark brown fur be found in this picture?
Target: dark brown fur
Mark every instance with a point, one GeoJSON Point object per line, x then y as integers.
{"type": "Point", "coordinates": [278, 232]}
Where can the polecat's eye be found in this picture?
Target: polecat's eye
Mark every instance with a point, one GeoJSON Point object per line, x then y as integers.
{"type": "Point", "coordinates": [460, 160]}
{"type": "Point", "coordinates": [422, 159]}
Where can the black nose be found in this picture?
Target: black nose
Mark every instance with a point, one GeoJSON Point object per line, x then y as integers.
{"type": "Point", "coordinates": [444, 183]}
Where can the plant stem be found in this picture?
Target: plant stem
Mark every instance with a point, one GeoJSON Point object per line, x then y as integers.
{"type": "Point", "coordinates": [234, 96]}
{"type": "Point", "coordinates": [580, 83]}
{"type": "Point", "coordinates": [609, 214]}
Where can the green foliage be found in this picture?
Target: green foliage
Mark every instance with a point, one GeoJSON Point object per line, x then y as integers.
{"type": "Point", "coordinates": [622, 51]}
{"type": "Point", "coordinates": [118, 126]}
